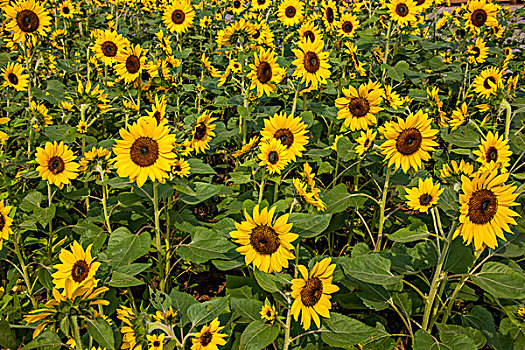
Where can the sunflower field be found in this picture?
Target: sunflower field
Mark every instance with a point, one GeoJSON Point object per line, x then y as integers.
{"type": "Point", "coordinates": [262, 174]}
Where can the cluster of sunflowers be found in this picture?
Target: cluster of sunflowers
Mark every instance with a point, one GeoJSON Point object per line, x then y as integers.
{"type": "Point", "coordinates": [214, 174]}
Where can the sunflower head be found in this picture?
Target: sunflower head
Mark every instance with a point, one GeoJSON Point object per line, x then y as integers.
{"type": "Point", "coordinates": [209, 337]}
{"type": "Point", "coordinates": [56, 163]}
{"type": "Point", "coordinates": [274, 155]}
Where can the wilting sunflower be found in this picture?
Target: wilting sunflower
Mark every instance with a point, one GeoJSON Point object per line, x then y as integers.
{"type": "Point", "coordinates": [27, 18]}
{"type": "Point", "coordinates": [5, 223]}
{"type": "Point", "coordinates": [479, 13]}
{"type": "Point", "coordinates": [130, 63]}
{"type": "Point", "coordinates": [403, 11]}
{"type": "Point", "coordinates": [209, 337]}
{"type": "Point", "coordinates": [261, 5]}
{"type": "Point", "coordinates": [66, 9]}
{"type": "Point", "coordinates": [409, 141]}
{"type": "Point", "coordinates": [56, 164]}
{"type": "Point", "coordinates": [488, 82]}
{"type": "Point", "coordinates": [365, 141]}
{"type": "Point", "coordinates": [76, 265]}
{"type": "Point", "coordinates": [274, 155]}
{"type": "Point", "coordinates": [108, 44]}
{"type": "Point", "coordinates": [312, 293]}
{"type": "Point", "coordinates": [463, 168]}
{"type": "Point", "coordinates": [246, 148]}
{"type": "Point", "coordinates": [309, 31]}
{"type": "Point", "coordinates": [459, 115]}
{"type": "Point", "coordinates": [290, 12]}
{"type": "Point", "coordinates": [290, 131]}
{"type": "Point", "coordinates": [158, 109]}
{"type": "Point", "coordinates": [146, 150]}
{"type": "Point", "coordinates": [156, 342]}
{"type": "Point", "coordinates": [393, 98]}
{"type": "Point", "coordinates": [312, 63]}
{"type": "Point", "coordinates": [424, 196]}
{"type": "Point", "coordinates": [265, 72]}
{"type": "Point", "coordinates": [178, 16]}
{"type": "Point", "coordinates": [266, 243]}
{"type": "Point", "coordinates": [14, 77]}
{"type": "Point", "coordinates": [485, 209]}
{"type": "Point", "coordinates": [494, 149]}
{"type": "Point", "coordinates": [267, 313]}
{"type": "Point", "coordinates": [203, 132]}
{"type": "Point", "coordinates": [359, 107]}
{"type": "Point", "coordinates": [478, 52]}
{"type": "Point", "coordinates": [347, 25]}
{"type": "Point", "coordinates": [181, 168]}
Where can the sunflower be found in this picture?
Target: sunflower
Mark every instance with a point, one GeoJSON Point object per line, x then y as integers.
{"type": "Point", "coordinates": [5, 223]}
{"type": "Point", "coordinates": [203, 132]}
{"type": "Point", "coordinates": [485, 209]}
{"type": "Point", "coordinates": [403, 11]}
{"type": "Point", "coordinates": [494, 149]}
{"type": "Point", "coordinates": [330, 14]}
{"type": "Point", "coordinates": [246, 148]}
{"type": "Point", "coordinates": [312, 63]}
{"type": "Point", "coordinates": [393, 98]}
{"type": "Point", "coordinates": [290, 12]}
{"type": "Point", "coordinates": [424, 196]}
{"type": "Point", "coordinates": [27, 18]}
{"type": "Point", "coordinates": [156, 342]}
{"type": "Point", "coordinates": [158, 110]}
{"type": "Point", "coordinates": [312, 293]}
{"type": "Point", "coordinates": [488, 82]}
{"type": "Point", "coordinates": [477, 52]}
{"type": "Point", "coordinates": [209, 337]}
{"type": "Point", "coordinates": [261, 5]}
{"type": "Point", "coordinates": [423, 5]}
{"type": "Point", "coordinates": [181, 168]}
{"type": "Point", "coordinates": [56, 164]}
{"type": "Point", "coordinates": [130, 63]}
{"type": "Point", "coordinates": [55, 36]}
{"type": "Point", "coordinates": [290, 131]}
{"type": "Point", "coordinates": [14, 77]}
{"type": "Point", "coordinates": [347, 25]}
{"type": "Point", "coordinates": [266, 243]}
{"type": "Point", "coordinates": [237, 6]}
{"type": "Point", "coordinates": [309, 31]}
{"type": "Point", "coordinates": [365, 141]}
{"type": "Point", "coordinates": [66, 9]}
{"type": "Point", "coordinates": [359, 107]}
{"type": "Point", "coordinates": [463, 168]}
{"type": "Point", "coordinates": [108, 45]}
{"type": "Point", "coordinates": [76, 265]}
{"type": "Point", "coordinates": [166, 316]}
{"type": "Point", "coordinates": [178, 17]}
{"type": "Point", "coordinates": [458, 117]}
{"type": "Point", "coordinates": [274, 155]}
{"type": "Point", "coordinates": [409, 141]}
{"type": "Point", "coordinates": [479, 13]}
{"type": "Point", "coordinates": [82, 127]}
{"type": "Point", "coordinates": [96, 159]}
{"type": "Point", "coordinates": [267, 313]}
{"type": "Point", "coordinates": [265, 72]}
{"type": "Point", "coordinates": [133, 329]}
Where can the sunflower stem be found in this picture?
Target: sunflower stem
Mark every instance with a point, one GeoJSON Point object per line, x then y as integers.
{"type": "Point", "coordinates": [24, 271]}
{"type": "Point", "coordinates": [50, 239]}
{"type": "Point", "coordinates": [104, 201]}
{"type": "Point", "coordinates": [157, 234]}
{"type": "Point", "coordinates": [382, 210]}
{"type": "Point", "coordinates": [387, 48]}
{"type": "Point", "coordinates": [287, 326]}
{"type": "Point", "coordinates": [294, 106]}
{"type": "Point", "coordinates": [76, 333]}
{"type": "Point", "coordinates": [508, 109]}
{"type": "Point", "coordinates": [356, 177]}
{"type": "Point", "coordinates": [261, 186]}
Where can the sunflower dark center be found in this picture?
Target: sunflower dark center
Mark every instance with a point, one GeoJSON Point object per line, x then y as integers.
{"type": "Point", "coordinates": [257, 34]}
{"type": "Point", "coordinates": [65, 10]}
{"type": "Point", "coordinates": [312, 291]}
{"type": "Point", "coordinates": [237, 4]}
{"type": "Point", "coordinates": [478, 17]}
{"type": "Point", "coordinates": [2, 222]}
{"type": "Point", "coordinates": [56, 165]}
{"type": "Point", "coordinates": [145, 76]}
{"type": "Point", "coordinates": [13, 78]}
{"type": "Point", "coordinates": [402, 10]}
{"type": "Point", "coordinates": [482, 206]}
{"type": "Point", "coordinates": [206, 338]}
{"type": "Point", "coordinates": [359, 107]}
{"type": "Point", "coordinates": [420, 2]}
{"type": "Point", "coordinates": [290, 12]}
{"type": "Point", "coordinates": [311, 62]}
{"type": "Point", "coordinates": [156, 343]}
{"type": "Point", "coordinates": [27, 21]}
{"type": "Point", "coordinates": [425, 199]}
{"type": "Point", "coordinates": [310, 35]}
{"type": "Point", "coordinates": [492, 154]}
{"type": "Point", "coordinates": [264, 240]}
{"type": "Point", "coordinates": [269, 313]}
{"type": "Point", "coordinates": [80, 271]}
{"type": "Point", "coordinates": [178, 17]}
{"type": "Point", "coordinates": [109, 48]}
{"type": "Point", "coordinates": [264, 72]}
{"type": "Point", "coordinates": [157, 116]}
{"type": "Point", "coordinates": [476, 51]}
{"type": "Point", "coordinates": [409, 141]}
{"type": "Point", "coordinates": [273, 157]}
{"type": "Point", "coordinates": [367, 142]}
{"type": "Point", "coordinates": [486, 84]}
{"type": "Point", "coordinates": [133, 64]}
{"type": "Point", "coordinates": [144, 151]}
{"type": "Point", "coordinates": [177, 168]}
{"type": "Point", "coordinates": [200, 131]}
{"type": "Point", "coordinates": [261, 2]}
{"type": "Point", "coordinates": [285, 136]}
{"type": "Point", "coordinates": [347, 27]}
{"type": "Point", "coordinates": [330, 15]}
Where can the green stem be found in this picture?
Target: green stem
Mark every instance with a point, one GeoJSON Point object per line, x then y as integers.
{"type": "Point", "coordinates": [261, 186]}
{"type": "Point", "coordinates": [356, 177]}
{"type": "Point", "coordinates": [287, 326]}
{"type": "Point", "coordinates": [276, 191]}
{"type": "Point", "coordinates": [508, 114]}
{"type": "Point", "coordinates": [157, 234]}
{"type": "Point", "coordinates": [294, 105]}
{"type": "Point", "coordinates": [50, 239]}
{"type": "Point", "coordinates": [387, 48]}
{"type": "Point", "coordinates": [382, 211]}
{"type": "Point", "coordinates": [104, 202]}
{"type": "Point", "coordinates": [25, 275]}
{"type": "Point", "coordinates": [76, 332]}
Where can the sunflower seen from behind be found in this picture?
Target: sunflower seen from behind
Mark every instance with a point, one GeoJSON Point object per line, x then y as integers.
{"type": "Point", "coordinates": [290, 12]}
{"type": "Point", "coordinates": [27, 19]}
{"type": "Point", "coordinates": [14, 76]}
{"type": "Point", "coordinates": [108, 45]}
{"type": "Point", "coordinates": [131, 61]}
{"type": "Point", "coordinates": [209, 337]}
{"type": "Point", "coordinates": [311, 293]}
{"type": "Point", "coordinates": [56, 164]}
{"type": "Point", "coordinates": [289, 130]}
{"type": "Point", "coordinates": [274, 156]}
{"type": "Point", "coordinates": [495, 149]}
{"type": "Point", "coordinates": [264, 240]}
{"type": "Point", "coordinates": [265, 72]}
{"type": "Point", "coordinates": [312, 64]}
{"type": "Point", "coordinates": [485, 209]}
{"type": "Point", "coordinates": [203, 132]}
{"type": "Point", "coordinates": [424, 195]}
{"type": "Point", "coordinates": [5, 223]}
{"type": "Point", "coordinates": [178, 16]}
{"type": "Point", "coordinates": [145, 151]}
{"type": "Point", "coordinates": [403, 11]}
{"type": "Point", "coordinates": [358, 108]}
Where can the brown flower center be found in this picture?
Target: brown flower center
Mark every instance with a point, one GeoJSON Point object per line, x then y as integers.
{"type": "Point", "coordinates": [264, 72]}
{"type": "Point", "coordinates": [367, 143]}
{"type": "Point", "coordinates": [156, 343]}
{"type": "Point", "coordinates": [157, 116]}
{"type": "Point", "coordinates": [311, 62]}
{"type": "Point", "coordinates": [261, 2]}
{"type": "Point", "coordinates": [145, 76]}
{"type": "Point", "coordinates": [492, 154]}
{"type": "Point", "coordinates": [264, 240]}
{"type": "Point", "coordinates": [330, 15]}
{"type": "Point", "coordinates": [177, 168]}
{"type": "Point", "coordinates": [309, 35]}
{"type": "Point", "coordinates": [65, 10]}
{"type": "Point", "coordinates": [402, 10]}
{"type": "Point", "coordinates": [359, 107]}
{"type": "Point", "coordinates": [478, 17]}
{"type": "Point", "coordinates": [285, 136]}
{"type": "Point", "coordinates": [144, 151]}
{"type": "Point", "coordinates": [420, 2]}
{"type": "Point", "coordinates": [236, 4]}
{"type": "Point", "coordinates": [347, 27]}
{"type": "Point", "coordinates": [206, 338]}
{"type": "Point", "coordinates": [200, 131]}
{"type": "Point", "coordinates": [56, 165]}
{"type": "Point", "coordinates": [132, 64]}
{"type": "Point", "coordinates": [109, 49]}
{"type": "Point", "coordinates": [178, 17]}
{"type": "Point", "coordinates": [476, 51]}
{"type": "Point", "coordinates": [27, 21]}
{"type": "Point", "coordinates": [273, 157]}
{"type": "Point", "coordinates": [2, 222]}
{"type": "Point", "coordinates": [13, 79]}
{"type": "Point", "coordinates": [80, 271]}
{"type": "Point", "coordinates": [486, 84]}
{"type": "Point", "coordinates": [312, 291]}
{"type": "Point", "coordinates": [482, 206]}
{"type": "Point", "coordinates": [290, 12]}
{"type": "Point", "coordinates": [409, 141]}
{"type": "Point", "coordinates": [425, 199]}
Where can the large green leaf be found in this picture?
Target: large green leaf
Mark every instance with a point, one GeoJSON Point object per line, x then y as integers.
{"type": "Point", "coordinates": [343, 331]}
{"type": "Point", "coordinates": [338, 199]}
{"type": "Point", "coordinates": [121, 280]}
{"type": "Point", "coordinates": [257, 335]}
{"type": "Point", "coordinates": [501, 281]}
{"type": "Point", "coordinates": [309, 225]}
{"type": "Point", "coordinates": [371, 268]}
{"type": "Point", "coordinates": [125, 247]}
{"type": "Point", "coordinates": [206, 245]}
{"type": "Point", "coordinates": [182, 302]}
{"type": "Point", "coordinates": [101, 331]}
{"type": "Point", "coordinates": [45, 340]}
{"type": "Point", "coordinates": [247, 310]}
{"type": "Point", "coordinates": [205, 312]}
{"type": "Point", "coordinates": [7, 336]}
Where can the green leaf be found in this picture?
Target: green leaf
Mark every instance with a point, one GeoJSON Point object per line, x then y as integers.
{"type": "Point", "coordinates": [338, 199]}
{"type": "Point", "coordinates": [182, 302]}
{"type": "Point", "coordinates": [501, 281]}
{"type": "Point", "coordinates": [464, 137]}
{"type": "Point", "coordinates": [447, 333]}
{"type": "Point", "coordinates": [45, 340]}
{"type": "Point", "coordinates": [133, 269]}
{"type": "Point", "coordinates": [202, 192]}
{"type": "Point", "coordinates": [258, 335]}
{"type": "Point", "coordinates": [414, 232]}
{"type": "Point", "coordinates": [343, 331]}
{"type": "Point", "coordinates": [199, 167]}
{"type": "Point", "coordinates": [122, 280]}
{"type": "Point", "coordinates": [247, 310]}
{"type": "Point", "coordinates": [101, 331]}
{"type": "Point", "coordinates": [125, 247]}
{"type": "Point", "coordinates": [31, 201]}
{"type": "Point", "coordinates": [309, 225]}
{"type": "Point", "coordinates": [206, 245]}
{"type": "Point", "coordinates": [371, 268]}
{"type": "Point", "coordinates": [397, 72]}
{"type": "Point", "coordinates": [7, 336]}
{"type": "Point", "coordinates": [205, 312]}
{"type": "Point", "coordinates": [267, 281]}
